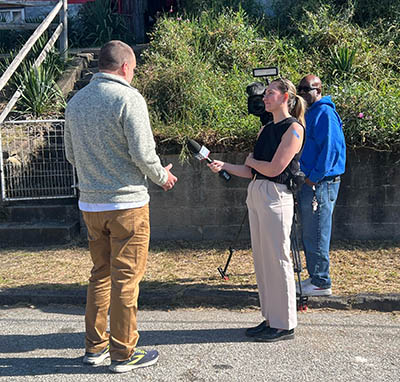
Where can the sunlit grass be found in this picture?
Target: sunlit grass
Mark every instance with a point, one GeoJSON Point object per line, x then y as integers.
{"type": "Point", "coordinates": [355, 268]}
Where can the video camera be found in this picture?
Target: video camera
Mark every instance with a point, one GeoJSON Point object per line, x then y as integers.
{"type": "Point", "coordinates": [256, 90]}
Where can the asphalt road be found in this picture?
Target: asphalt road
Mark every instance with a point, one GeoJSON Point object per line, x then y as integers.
{"type": "Point", "coordinates": [46, 344]}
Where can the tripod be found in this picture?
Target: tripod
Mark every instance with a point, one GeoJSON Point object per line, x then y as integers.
{"type": "Point", "coordinates": [294, 247]}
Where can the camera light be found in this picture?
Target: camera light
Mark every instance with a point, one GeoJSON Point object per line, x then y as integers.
{"type": "Point", "coordinates": [265, 72]}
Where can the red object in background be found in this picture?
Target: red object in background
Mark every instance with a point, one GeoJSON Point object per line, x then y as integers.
{"type": "Point", "coordinates": [119, 6]}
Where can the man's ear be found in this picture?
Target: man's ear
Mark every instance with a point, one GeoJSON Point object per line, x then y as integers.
{"type": "Point", "coordinates": [124, 68]}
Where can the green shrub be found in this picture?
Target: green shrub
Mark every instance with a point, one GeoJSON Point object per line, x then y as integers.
{"type": "Point", "coordinates": [365, 69]}
{"type": "Point", "coordinates": [96, 23]}
{"type": "Point", "coordinates": [40, 93]}
{"type": "Point", "coordinates": [327, 36]}
{"type": "Point", "coordinates": [362, 12]}
{"type": "Point", "coordinates": [368, 12]}
{"type": "Point", "coordinates": [324, 28]}
{"type": "Point", "coordinates": [342, 61]}
{"type": "Point", "coordinates": [370, 115]}
{"type": "Point", "coordinates": [196, 72]}
{"type": "Point", "coordinates": [288, 13]}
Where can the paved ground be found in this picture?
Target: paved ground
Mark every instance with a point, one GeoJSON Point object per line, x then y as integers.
{"type": "Point", "coordinates": [45, 344]}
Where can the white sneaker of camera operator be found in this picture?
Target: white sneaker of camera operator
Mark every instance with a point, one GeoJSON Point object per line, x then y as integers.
{"type": "Point", "coordinates": [309, 289]}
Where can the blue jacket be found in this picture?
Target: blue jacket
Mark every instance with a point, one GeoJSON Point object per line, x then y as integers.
{"type": "Point", "coordinates": [324, 152]}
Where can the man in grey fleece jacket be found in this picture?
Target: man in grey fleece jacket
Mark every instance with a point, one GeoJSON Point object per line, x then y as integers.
{"type": "Point", "coordinates": [108, 139]}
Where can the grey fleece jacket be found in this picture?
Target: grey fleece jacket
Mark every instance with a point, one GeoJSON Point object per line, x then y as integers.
{"type": "Point", "coordinates": [108, 139]}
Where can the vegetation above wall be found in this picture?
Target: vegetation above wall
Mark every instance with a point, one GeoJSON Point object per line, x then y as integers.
{"type": "Point", "coordinates": [200, 61]}
{"type": "Point", "coordinates": [197, 68]}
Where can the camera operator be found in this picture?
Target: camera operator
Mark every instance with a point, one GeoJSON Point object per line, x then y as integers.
{"type": "Point", "coordinates": [323, 161]}
{"type": "Point", "coordinates": [270, 205]}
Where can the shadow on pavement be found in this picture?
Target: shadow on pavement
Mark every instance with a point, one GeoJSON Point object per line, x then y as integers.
{"type": "Point", "coordinates": [189, 293]}
{"type": "Point", "coordinates": [13, 367]}
{"type": "Point", "coordinates": [29, 366]}
{"type": "Point", "coordinates": [27, 343]}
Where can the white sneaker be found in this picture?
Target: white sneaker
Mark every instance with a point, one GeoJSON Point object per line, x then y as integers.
{"type": "Point", "coordinates": [96, 358]}
{"type": "Point", "coordinates": [303, 284]}
{"type": "Point", "coordinates": [312, 290]}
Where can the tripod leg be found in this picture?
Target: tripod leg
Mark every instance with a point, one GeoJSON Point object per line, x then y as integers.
{"type": "Point", "coordinates": [294, 245]}
{"type": "Point", "coordinates": [223, 272]}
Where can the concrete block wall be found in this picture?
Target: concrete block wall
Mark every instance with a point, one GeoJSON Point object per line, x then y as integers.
{"type": "Point", "coordinates": [203, 206]}
{"type": "Point", "coordinates": [368, 206]}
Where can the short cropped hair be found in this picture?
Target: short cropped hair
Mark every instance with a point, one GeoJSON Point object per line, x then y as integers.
{"type": "Point", "coordinates": [113, 54]}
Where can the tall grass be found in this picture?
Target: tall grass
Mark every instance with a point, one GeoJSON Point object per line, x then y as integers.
{"type": "Point", "coordinates": [195, 75]}
{"type": "Point", "coordinates": [197, 69]}
{"type": "Point", "coordinates": [361, 71]}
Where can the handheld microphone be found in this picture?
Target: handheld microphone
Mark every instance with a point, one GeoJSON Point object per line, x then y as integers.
{"type": "Point", "coordinates": [201, 152]}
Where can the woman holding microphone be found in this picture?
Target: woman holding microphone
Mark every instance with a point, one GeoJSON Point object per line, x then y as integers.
{"type": "Point", "coordinates": [270, 205]}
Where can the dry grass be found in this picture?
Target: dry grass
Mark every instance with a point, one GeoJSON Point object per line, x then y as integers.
{"type": "Point", "coordinates": [367, 267]}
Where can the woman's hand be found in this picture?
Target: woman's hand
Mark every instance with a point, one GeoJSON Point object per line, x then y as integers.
{"type": "Point", "coordinates": [216, 165]}
{"type": "Point", "coordinates": [249, 160]}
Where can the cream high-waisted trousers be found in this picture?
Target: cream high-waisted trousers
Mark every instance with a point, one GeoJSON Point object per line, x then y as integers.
{"type": "Point", "coordinates": [270, 208]}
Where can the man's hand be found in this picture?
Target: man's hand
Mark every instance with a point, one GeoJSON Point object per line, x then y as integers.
{"type": "Point", "coordinates": [308, 182]}
{"type": "Point", "coordinates": [172, 179]}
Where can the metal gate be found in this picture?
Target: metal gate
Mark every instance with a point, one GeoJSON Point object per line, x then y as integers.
{"type": "Point", "coordinates": [33, 162]}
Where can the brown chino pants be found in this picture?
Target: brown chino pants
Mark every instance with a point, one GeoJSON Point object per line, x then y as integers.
{"type": "Point", "coordinates": [118, 243]}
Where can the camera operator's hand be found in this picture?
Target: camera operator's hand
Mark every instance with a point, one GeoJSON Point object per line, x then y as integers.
{"type": "Point", "coordinates": [216, 165]}
{"type": "Point", "coordinates": [172, 179]}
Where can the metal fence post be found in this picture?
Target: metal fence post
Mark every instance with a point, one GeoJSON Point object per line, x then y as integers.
{"type": "Point", "coordinates": [64, 34]}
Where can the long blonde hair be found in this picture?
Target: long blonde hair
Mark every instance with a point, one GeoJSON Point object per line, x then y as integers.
{"type": "Point", "coordinates": [296, 105]}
